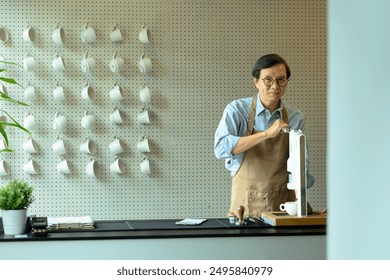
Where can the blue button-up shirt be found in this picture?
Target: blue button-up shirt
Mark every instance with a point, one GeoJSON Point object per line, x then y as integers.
{"type": "Point", "coordinates": [234, 125]}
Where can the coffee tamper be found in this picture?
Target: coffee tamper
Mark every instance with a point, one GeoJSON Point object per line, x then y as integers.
{"type": "Point", "coordinates": [240, 212]}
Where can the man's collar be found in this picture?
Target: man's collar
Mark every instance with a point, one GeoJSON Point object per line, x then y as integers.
{"type": "Point", "coordinates": [260, 107]}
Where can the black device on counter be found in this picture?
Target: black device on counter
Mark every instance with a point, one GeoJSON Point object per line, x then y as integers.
{"type": "Point", "coordinates": [39, 226]}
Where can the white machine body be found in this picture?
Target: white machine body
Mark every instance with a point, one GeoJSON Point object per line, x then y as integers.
{"type": "Point", "coordinates": [296, 168]}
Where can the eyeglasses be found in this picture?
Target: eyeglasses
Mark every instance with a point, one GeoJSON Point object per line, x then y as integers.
{"type": "Point", "coordinates": [268, 81]}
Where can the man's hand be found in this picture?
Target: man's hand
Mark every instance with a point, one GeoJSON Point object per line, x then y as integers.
{"type": "Point", "coordinates": [276, 128]}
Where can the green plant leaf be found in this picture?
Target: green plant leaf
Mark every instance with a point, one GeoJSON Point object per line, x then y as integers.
{"type": "Point", "coordinates": [5, 97]}
{"type": "Point", "coordinates": [8, 80]}
{"type": "Point", "coordinates": [16, 194]}
{"type": "Point", "coordinates": [4, 134]}
{"type": "Point", "coordinates": [15, 123]}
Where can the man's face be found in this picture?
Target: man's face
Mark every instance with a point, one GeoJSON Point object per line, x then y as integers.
{"type": "Point", "coordinates": [270, 95]}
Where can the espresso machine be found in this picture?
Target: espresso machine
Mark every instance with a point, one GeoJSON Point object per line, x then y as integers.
{"type": "Point", "coordinates": [297, 181]}
{"type": "Point", "coordinates": [296, 168]}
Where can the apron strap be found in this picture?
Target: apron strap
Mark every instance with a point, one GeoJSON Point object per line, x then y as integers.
{"type": "Point", "coordinates": [252, 115]}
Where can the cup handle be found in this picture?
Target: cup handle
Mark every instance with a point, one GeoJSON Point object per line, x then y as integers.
{"type": "Point", "coordinates": [282, 207]}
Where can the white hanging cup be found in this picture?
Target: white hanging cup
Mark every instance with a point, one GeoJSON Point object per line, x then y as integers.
{"type": "Point", "coordinates": [145, 64]}
{"type": "Point", "coordinates": [117, 166]}
{"type": "Point", "coordinates": [88, 35]}
{"type": "Point", "coordinates": [58, 35]}
{"type": "Point", "coordinates": [59, 93]}
{"type": "Point", "coordinates": [145, 166]}
{"type": "Point", "coordinates": [2, 64]}
{"type": "Point", "coordinates": [116, 34]}
{"type": "Point", "coordinates": [3, 145]}
{"type": "Point", "coordinates": [116, 146]}
{"type": "Point", "coordinates": [88, 121]}
{"type": "Point", "coordinates": [143, 117]}
{"type": "Point", "coordinates": [116, 93]}
{"type": "Point", "coordinates": [30, 167]}
{"type": "Point", "coordinates": [144, 35]}
{"type": "Point", "coordinates": [116, 64]}
{"type": "Point", "coordinates": [4, 168]}
{"type": "Point", "coordinates": [29, 94]}
{"type": "Point", "coordinates": [116, 117]}
{"type": "Point", "coordinates": [3, 89]}
{"type": "Point", "coordinates": [88, 147]}
{"type": "Point", "coordinates": [91, 168]}
{"type": "Point", "coordinates": [59, 122]}
{"type": "Point", "coordinates": [58, 147]}
{"type": "Point", "coordinates": [87, 63]}
{"type": "Point", "coordinates": [4, 35]}
{"type": "Point", "coordinates": [30, 146]}
{"type": "Point", "coordinates": [143, 145]}
{"type": "Point", "coordinates": [29, 34]}
{"type": "Point", "coordinates": [63, 167]}
{"type": "Point", "coordinates": [29, 63]}
{"type": "Point", "coordinates": [88, 93]}
{"type": "Point", "coordinates": [144, 94]}
{"type": "Point", "coordinates": [58, 63]}
{"type": "Point", "coordinates": [29, 122]}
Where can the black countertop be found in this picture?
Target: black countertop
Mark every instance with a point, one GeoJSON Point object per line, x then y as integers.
{"type": "Point", "coordinates": [147, 229]}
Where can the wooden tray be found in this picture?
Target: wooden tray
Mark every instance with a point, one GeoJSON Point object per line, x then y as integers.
{"type": "Point", "coordinates": [283, 219]}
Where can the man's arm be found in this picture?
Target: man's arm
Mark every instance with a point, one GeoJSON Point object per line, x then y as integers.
{"type": "Point", "coordinates": [247, 142]}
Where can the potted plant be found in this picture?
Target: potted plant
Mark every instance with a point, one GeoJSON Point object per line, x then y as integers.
{"type": "Point", "coordinates": [15, 197]}
{"type": "Point", "coordinates": [5, 97]}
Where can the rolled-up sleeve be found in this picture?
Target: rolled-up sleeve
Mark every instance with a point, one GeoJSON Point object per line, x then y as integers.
{"type": "Point", "coordinates": [227, 133]}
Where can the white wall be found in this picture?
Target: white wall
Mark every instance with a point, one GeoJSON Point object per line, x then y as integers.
{"type": "Point", "coordinates": [358, 121]}
{"type": "Point", "coordinates": [202, 53]}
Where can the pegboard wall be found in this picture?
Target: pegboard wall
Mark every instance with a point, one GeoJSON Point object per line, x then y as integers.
{"type": "Point", "coordinates": [202, 53]}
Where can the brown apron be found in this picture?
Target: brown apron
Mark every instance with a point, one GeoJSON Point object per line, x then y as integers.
{"type": "Point", "coordinates": [260, 184]}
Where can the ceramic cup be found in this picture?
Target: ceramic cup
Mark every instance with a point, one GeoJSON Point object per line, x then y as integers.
{"type": "Point", "coordinates": [58, 147]}
{"type": "Point", "coordinates": [2, 64]}
{"type": "Point", "coordinates": [145, 166]}
{"type": "Point", "coordinates": [30, 146]}
{"type": "Point", "coordinates": [58, 63]}
{"type": "Point", "coordinates": [59, 122]}
{"type": "Point", "coordinates": [145, 64]}
{"type": "Point", "coordinates": [3, 89]}
{"type": "Point", "coordinates": [59, 94]}
{"type": "Point", "coordinates": [29, 63]}
{"type": "Point", "coordinates": [58, 35]}
{"type": "Point", "coordinates": [144, 94]}
{"type": "Point", "coordinates": [29, 122]}
{"type": "Point", "coordinates": [30, 167]}
{"type": "Point", "coordinates": [116, 146]}
{"type": "Point", "coordinates": [4, 168]}
{"type": "Point", "coordinates": [63, 167]}
{"type": "Point", "coordinates": [143, 145]}
{"type": "Point", "coordinates": [291, 207]}
{"type": "Point", "coordinates": [4, 35]}
{"type": "Point", "coordinates": [88, 35]}
{"type": "Point", "coordinates": [117, 166]}
{"type": "Point", "coordinates": [29, 94]}
{"type": "Point", "coordinates": [88, 93]}
{"type": "Point", "coordinates": [3, 144]}
{"type": "Point", "coordinates": [116, 93]}
{"type": "Point", "coordinates": [116, 35]}
{"type": "Point", "coordinates": [87, 63]}
{"type": "Point", "coordinates": [88, 147]}
{"type": "Point", "coordinates": [88, 121]}
{"type": "Point", "coordinates": [144, 35]}
{"type": "Point", "coordinates": [116, 64]}
{"type": "Point", "coordinates": [143, 117]}
{"type": "Point", "coordinates": [91, 168]}
{"type": "Point", "coordinates": [29, 34]}
{"type": "Point", "coordinates": [116, 117]}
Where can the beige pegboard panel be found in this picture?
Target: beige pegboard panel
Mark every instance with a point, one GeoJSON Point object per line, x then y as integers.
{"type": "Point", "coordinates": [202, 54]}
